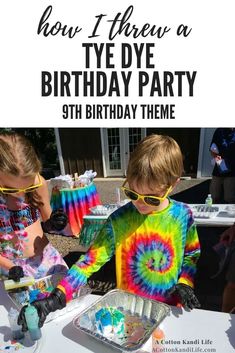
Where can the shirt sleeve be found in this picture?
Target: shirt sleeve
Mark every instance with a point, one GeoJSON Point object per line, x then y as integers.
{"type": "Point", "coordinates": [216, 138]}
{"type": "Point", "coordinates": [99, 253]}
{"type": "Point", "coordinates": [191, 255]}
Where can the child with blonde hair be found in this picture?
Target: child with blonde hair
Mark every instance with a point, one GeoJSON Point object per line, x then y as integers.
{"type": "Point", "coordinates": [153, 237]}
{"type": "Point", "coordinates": [24, 204]}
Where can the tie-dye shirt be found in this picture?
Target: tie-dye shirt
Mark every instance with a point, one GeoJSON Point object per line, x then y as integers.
{"type": "Point", "coordinates": [153, 252]}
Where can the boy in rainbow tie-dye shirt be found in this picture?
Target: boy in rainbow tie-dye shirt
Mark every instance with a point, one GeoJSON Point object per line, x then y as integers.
{"type": "Point", "coordinates": [154, 237]}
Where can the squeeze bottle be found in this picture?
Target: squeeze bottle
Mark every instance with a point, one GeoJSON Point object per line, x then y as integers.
{"type": "Point", "coordinates": [31, 316]}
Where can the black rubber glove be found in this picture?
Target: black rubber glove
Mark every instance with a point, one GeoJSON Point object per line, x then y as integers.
{"type": "Point", "coordinates": [16, 273]}
{"type": "Point", "coordinates": [57, 221]}
{"type": "Point", "coordinates": [55, 301]}
{"type": "Point", "coordinates": [185, 295]}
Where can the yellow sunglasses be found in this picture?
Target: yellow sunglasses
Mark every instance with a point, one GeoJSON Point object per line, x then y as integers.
{"type": "Point", "coordinates": [149, 200]}
{"type": "Point", "coordinates": [28, 189]}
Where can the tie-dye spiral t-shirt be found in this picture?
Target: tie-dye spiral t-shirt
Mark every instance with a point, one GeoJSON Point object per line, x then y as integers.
{"type": "Point", "coordinates": [153, 252]}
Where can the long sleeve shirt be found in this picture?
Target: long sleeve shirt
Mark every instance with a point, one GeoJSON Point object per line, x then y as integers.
{"type": "Point", "coordinates": [153, 252]}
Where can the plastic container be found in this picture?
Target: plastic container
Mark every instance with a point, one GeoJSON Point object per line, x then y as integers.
{"type": "Point", "coordinates": [118, 196]}
{"type": "Point", "coordinates": [9, 284]}
{"type": "Point", "coordinates": [141, 317]}
{"type": "Point", "coordinates": [230, 210]}
{"type": "Point", "coordinates": [103, 210]}
{"type": "Point", "coordinates": [16, 329]}
{"type": "Point", "coordinates": [209, 200]}
{"type": "Point", "coordinates": [205, 211]}
{"type": "Point", "coordinates": [32, 319]}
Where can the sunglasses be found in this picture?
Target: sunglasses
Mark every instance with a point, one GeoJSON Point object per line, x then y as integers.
{"type": "Point", "coordinates": [148, 199]}
{"type": "Point", "coordinates": [28, 189]}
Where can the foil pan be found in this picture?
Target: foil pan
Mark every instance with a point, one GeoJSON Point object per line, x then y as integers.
{"type": "Point", "coordinates": [141, 317]}
{"type": "Point", "coordinates": [21, 297]}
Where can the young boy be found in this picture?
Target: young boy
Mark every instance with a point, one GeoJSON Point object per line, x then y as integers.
{"type": "Point", "coordinates": [154, 238]}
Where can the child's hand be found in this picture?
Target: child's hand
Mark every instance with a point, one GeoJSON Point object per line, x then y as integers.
{"type": "Point", "coordinates": [185, 295]}
{"type": "Point", "coordinates": [56, 300]}
{"type": "Point", "coordinates": [16, 273]}
{"type": "Point", "coordinates": [57, 221]}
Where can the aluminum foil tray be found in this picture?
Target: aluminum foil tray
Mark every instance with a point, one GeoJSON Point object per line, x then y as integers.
{"type": "Point", "coordinates": [52, 281]}
{"type": "Point", "coordinates": [142, 316]}
{"type": "Point", "coordinates": [205, 211]}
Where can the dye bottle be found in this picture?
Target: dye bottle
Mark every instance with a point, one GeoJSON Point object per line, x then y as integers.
{"type": "Point", "coordinates": [118, 196]}
{"type": "Point", "coordinates": [209, 200]}
{"type": "Point", "coordinates": [16, 330]}
{"type": "Point", "coordinates": [32, 319]}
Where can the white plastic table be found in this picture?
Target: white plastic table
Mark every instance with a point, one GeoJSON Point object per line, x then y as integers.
{"type": "Point", "coordinates": [203, 331]}
{"type": "Point", "coordinates": [221, 219]}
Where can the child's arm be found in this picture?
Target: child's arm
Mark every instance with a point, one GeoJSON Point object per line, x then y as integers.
{"type": "Point", "coordinates": [183, 290]}
{"type": "Point", "coordinates": [51, 221]}
{"type": "Point", "coordinates": [45, 209]}
{"type": "Point", "coordinates": [14, 272]}
{"type": "Point", "coordinates": [191, 255]}
{"type": "Point", "coordinates": [6, 263]}
{"type": "Point", "coordinates": [99, 253]}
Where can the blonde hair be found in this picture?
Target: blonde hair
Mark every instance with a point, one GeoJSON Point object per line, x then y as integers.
{"type": "Point", "coordinates": [157, 160]}
{"type": "Point", "coordinates": [18, 158]}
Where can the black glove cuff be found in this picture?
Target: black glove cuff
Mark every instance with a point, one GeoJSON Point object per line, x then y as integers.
{"type": "Point", "coordinates": [57, 300]}
{"type": "Point", "coordinates": [186, 286]}
{"type": "Point", "coordinates": [59, 219]}
{"type": "Point", "coordinates": [187, 296]}
{"type": "Point", "coordinates": [16, 273]}
{"type": "Point", "coordinates": [183, 289]}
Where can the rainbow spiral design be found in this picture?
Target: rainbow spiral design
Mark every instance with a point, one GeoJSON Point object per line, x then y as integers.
{"type": "Point", "coordinates": [146, 262]}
